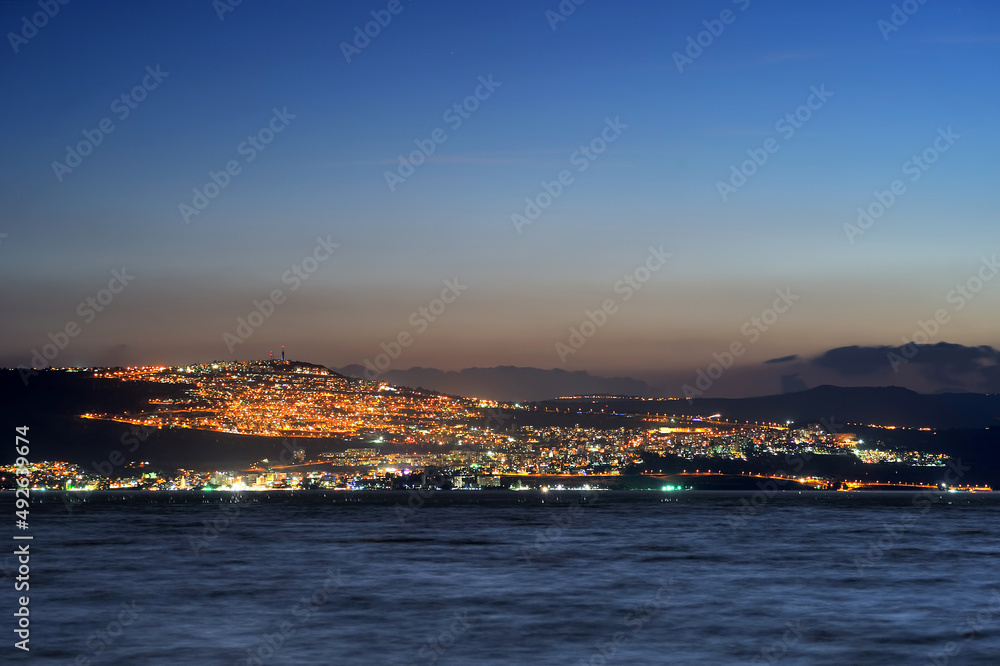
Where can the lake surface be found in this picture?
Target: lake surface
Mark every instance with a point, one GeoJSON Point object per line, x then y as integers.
{"type": "Point", "coordinates": [543, 578]}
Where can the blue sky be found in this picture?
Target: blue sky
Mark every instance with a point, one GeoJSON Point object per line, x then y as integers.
{"type": "Point", "coordinates": [324, 175]}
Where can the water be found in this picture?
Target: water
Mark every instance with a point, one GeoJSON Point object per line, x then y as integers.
{"type": "Point", "coordinates": [817, 578]}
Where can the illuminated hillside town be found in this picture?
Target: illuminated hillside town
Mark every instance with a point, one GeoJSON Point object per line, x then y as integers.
{"type": "Point", "coordinates": [388, 437]}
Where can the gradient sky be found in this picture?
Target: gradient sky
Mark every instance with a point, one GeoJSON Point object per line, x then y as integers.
{"type": "Point", "coordinates": [323, 176]}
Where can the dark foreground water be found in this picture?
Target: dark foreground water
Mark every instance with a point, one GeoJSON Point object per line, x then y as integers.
{"type": "Point", "coordinates": [689, 578]}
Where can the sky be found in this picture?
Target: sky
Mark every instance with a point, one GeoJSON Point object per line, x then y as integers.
{"type": "Point", "coordinates": [656, 177]}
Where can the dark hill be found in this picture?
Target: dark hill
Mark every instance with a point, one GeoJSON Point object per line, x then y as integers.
{"type": "Point", "coordinates": [889, 405]}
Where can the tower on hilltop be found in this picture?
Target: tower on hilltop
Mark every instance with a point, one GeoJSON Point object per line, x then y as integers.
{"type": "Point", "coordinates": [282, 353]}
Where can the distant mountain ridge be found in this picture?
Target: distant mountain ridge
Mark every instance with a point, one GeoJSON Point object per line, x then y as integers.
{"type": "Point", "coordinates": [886, 405]}
{"type": "Point", "coordinates": [890, 405]}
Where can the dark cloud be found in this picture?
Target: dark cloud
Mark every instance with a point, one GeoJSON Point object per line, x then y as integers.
{"type": "Point", "coordinates": [950, 365]}
{"type": "Point", "coordinates": [957, 357]}
{"type": "Point", "coordinates": [947, 365]}
{"type": "Point", "coordinates": [855, 361]}
{"type": "Point", "coordinates": [783, 359]}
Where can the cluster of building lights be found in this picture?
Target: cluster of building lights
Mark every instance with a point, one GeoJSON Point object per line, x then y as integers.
{"type": "Point", "coordinates": [286, 399]}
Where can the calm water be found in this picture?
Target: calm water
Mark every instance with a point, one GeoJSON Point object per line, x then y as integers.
{"type": "Point", "coordinates": [818, 578]}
